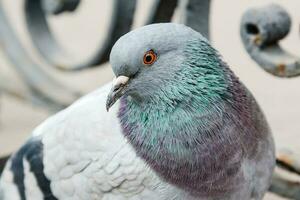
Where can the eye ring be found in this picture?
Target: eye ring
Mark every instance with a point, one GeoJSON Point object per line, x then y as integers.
{"type": "Point", "coordinates": [149, 57]}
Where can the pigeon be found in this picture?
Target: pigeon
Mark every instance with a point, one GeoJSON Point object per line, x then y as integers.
{"type": "Point", "coordinates": [175, 124]}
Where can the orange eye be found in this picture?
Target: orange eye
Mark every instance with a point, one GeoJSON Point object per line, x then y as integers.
{"type": "Point", "coordinates": [149, 57]}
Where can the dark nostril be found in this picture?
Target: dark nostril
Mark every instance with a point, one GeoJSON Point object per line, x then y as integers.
{"type": "Point", "coordinates": [116, 88]}
{"type": "Point", "coordinates": [252, 29]}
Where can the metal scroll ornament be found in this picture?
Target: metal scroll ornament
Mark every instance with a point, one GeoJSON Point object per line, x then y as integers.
{"type": "Point", "coordinates": [261, 31]}
{"type": "Point", "coordinates": [43, 88]}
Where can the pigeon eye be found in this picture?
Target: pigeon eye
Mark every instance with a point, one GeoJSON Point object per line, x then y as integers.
{"type": "Point", "coordinates": [149, 57]}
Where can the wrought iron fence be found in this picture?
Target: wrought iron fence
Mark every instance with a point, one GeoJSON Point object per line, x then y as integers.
{"type": "Point", "coordinates": [45, 89]}
{"type": "Point", "coordinates": [261, 30]}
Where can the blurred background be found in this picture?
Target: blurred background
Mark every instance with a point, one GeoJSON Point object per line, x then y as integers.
{"type": "Point", "coordinates": [81, 32]}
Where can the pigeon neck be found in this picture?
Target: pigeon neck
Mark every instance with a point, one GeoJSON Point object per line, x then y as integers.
{"type": "Point", "coordinates": [178, 132]}
{"type": "Point", "coordinates": [185, 148]}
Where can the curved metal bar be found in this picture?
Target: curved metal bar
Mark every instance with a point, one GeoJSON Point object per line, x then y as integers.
{"type": "Point", "coordinates": [55, 55]}
{"type": "Point", "coordinates": [288, 160]}
{"type": "Point", "coordinates": [284, 187]}
{"type": "Point", "coordinates": [56, 7]}
{"type": "Point", "coordinates": [261, 30]}
{"type": "Point", "coordinates": [162, 11]}
{"type": "Point", "coordinates": [44, 89]}
{"type": "Point", "coordinates": [196, 15]}
{"type": "Point", "coordinates": [3, 161]}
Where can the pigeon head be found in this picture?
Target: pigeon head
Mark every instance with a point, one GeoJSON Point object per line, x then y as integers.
{"type": "Point", "coordinates": [175, 94]}
{"type": "Point", "coordinates": [146, 59]}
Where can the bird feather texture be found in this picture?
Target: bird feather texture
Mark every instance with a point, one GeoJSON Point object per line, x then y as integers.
{"type": "Point", "coordinates": [185, 128]}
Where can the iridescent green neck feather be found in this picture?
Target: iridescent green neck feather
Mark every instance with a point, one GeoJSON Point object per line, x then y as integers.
{"type": "Point", "coordinates": [174, 130]}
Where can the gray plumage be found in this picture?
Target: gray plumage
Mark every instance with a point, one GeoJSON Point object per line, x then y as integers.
{"type": "Point", "coordinates": [184, 128]}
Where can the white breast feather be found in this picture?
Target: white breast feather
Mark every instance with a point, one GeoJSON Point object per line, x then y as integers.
{"type": "Point", "coordinates": [87, 157]}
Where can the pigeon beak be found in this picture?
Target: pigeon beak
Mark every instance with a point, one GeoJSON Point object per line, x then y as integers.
{"type": "Point", "coordinates": [116, 91]}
